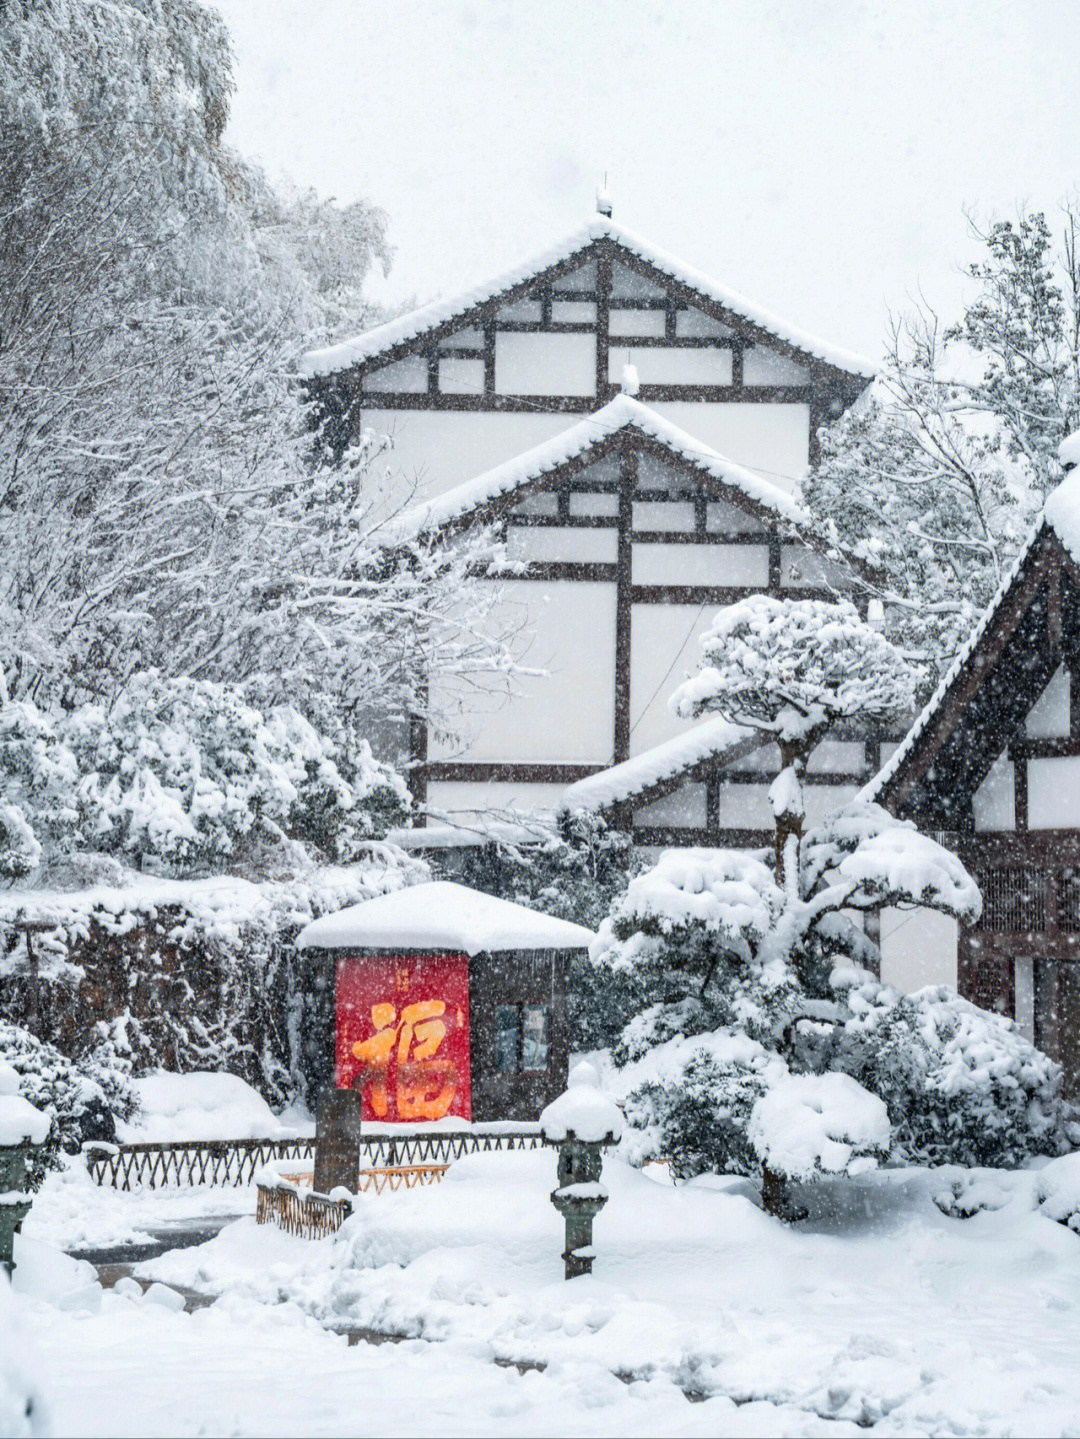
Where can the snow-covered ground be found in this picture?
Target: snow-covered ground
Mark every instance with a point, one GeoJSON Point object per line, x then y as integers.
{"type": "Point", "coordinates": [880, 1311]}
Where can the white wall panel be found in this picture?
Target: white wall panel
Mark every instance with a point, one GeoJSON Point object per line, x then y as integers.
{"type": "Point", "coordinates": [434, 450]}
{"type": "Point", "coordinates": [583, 278]}
{"type": "Point", "coordinates": [408, 376]}
{"type": "Point", "coordinates": [725, 519]}
{"type": "Point", "coordinates": [465, 799]}
{"type": "Point", "coordinates": [766, 367]}
{"type": "Point", "coordinates": [546, 504]}
{"type": "Point", "coordinates": [771, 440]}
{"type": "Point", "coordinates": [664, 649]}
{"type": "Point", "coordinates": [461, 377]}
{"type": "Point", "coordinates": [627, 284]}
{"type": "Point", "coordinates": [696, 325]}
{"type": "Point", "coordinates": [819, 800]}
{"type": "Point", "coordinates": [573, 312]}
{"type": "Point", "coordinates": [566, 628]}
{"type": "Point", "coordinates": [834, 756]}
{"type": "Point", "coordinates": [586, 503]}
{"type": "Point", "coordinates": [656, 474]}
{"type": "Point", "coordinates": [521, 311]}
{"type": "Point", "coordinates": [665, 365]}
{"type": "Point", "coordinates": [690, 564]}
{"type": "Point", "coordinates": [636, 322]}
{"type": "Point", "coordinates": [1054, 793]}
{"type": "Point", "coordinates": [918, 947]}
{"type": "Point", "coordinates": [565, 545]}
{"type": "Point", "coordinates": [541, 364]}
{"type": "Point", "coordinates": [471, 339]}
{"type": "Point", "coordinates": [992, 802]}
{"type": "Point", "coordinates": [745, 806]}
{"type": "Point", "coordinates": [684, 808]}
{"type": "Point", "coordinates": [663, 515]}
{"type": "Point", "coordinates": [1049, 716]}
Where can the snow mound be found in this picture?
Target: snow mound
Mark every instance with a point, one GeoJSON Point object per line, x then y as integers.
{"type": "Point", "coordinates": [199, 1106]}
{"type": "Point", "coordinates": [813, 1124]}
{"type": "Point", "coordinates": [1057, 1191]}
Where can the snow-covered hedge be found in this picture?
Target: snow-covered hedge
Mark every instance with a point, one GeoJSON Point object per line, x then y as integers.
{"type": "Point", "coordinates": [187, 975]}
{"type": "Point", "coordinates": [82, 1098]}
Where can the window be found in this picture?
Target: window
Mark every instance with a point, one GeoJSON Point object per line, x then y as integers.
{"type": "Point", "coordinates": [522, 1037]}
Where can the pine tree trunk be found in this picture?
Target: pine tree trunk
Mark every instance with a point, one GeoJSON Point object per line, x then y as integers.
{"type": "Point", "coordinates": [789, 823]}
{"type": "Point", "coordinates": [775, 1199]}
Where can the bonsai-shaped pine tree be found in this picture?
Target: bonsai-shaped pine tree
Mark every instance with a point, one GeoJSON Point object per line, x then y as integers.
{"type": "Point", "coordinates": [767, 1046]}
{"type": "Point", "coordinates": [794, 669]}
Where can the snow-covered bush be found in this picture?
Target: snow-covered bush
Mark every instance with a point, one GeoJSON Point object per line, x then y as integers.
{"type": "Point", "coordinates": [185, 773]}
{"type": "Point", "coordinates": [809, 1125]}
{"type": "Point", "coordinates": [83, 1098]}
{"type": "Point", "coordinates": [1057, 1191]}
{"type": "Point", "coordinates": [962, 1086]}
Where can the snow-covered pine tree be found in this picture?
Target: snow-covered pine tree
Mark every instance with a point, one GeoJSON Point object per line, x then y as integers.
{"type": "Point", "coordinates": [758, 973]}
{"type": "Point", "coordinates": [938, 477]}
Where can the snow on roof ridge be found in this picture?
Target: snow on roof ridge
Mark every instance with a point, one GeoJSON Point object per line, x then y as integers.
{"type": "Point", "coordinates": [407, 327]}
{"type": "Point", "coordinates": [712, 739]}
{"type": "Point", "coordinates": [617, 414]}
{"type": "Point", "coordinates": [442, 915]}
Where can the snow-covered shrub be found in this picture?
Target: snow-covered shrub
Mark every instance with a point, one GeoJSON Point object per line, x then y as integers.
{"type": "Point", "coordinates": [965, 1195]}
{"type": "Point", "coordinates": [182, 773]}
{"type": "Point", "coordinates": [809, 1125]}
{"type": "Point", "coordinates": [83, 1098]}
{"type": "Point", "coordinates": [1057, 1191]}
{"type": "Point", "coordinates": [962, 1086]}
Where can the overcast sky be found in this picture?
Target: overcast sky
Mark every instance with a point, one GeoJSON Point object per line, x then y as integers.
{"type": "Point", "coordinates": [817, 156]}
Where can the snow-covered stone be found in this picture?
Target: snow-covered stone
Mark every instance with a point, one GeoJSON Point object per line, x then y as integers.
{"type": "Point", "coordinates": [442, 916]}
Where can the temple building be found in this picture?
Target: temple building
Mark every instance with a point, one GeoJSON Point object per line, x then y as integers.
{"type": "Point", "coordinates": [992, 766]}
{"type": "Point", "coordinates": [636, 431]}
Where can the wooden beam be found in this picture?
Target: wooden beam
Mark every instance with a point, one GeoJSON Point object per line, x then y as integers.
{"type": "Point", "coordinates": [623, 606]}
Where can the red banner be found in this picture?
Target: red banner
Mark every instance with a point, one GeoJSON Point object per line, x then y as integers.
{"type": "Point", "coordinates": [403, 1035]}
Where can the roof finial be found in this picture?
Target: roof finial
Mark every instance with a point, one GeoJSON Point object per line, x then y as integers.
{"type": "Point", "coordinates": [603, 199]}
{"type": "Point", "coordinates": [630, 383]}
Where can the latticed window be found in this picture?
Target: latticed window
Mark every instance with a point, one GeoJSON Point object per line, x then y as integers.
{"type": "Point", "coordinates": [1014, 899]}
{"type": "Point", "coordinates": [1069, 900]}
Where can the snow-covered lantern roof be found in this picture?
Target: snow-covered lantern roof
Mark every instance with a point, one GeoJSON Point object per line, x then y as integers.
{"type": "Point", "coordinates": [442, 917]}
{"type": "Point", "coordinates": [582, 1111]}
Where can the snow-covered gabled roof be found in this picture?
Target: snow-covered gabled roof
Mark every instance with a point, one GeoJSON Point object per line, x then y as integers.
{"type": "Point", "coordinates": [621, 413]}
{"type": "Point", "coordinates": [715, 739]}
{"type": "Point", "coordinates": [1060, 519]}
{"type": "Point", "coordinates": [442, 916]}
{"type": "Point", "coordinates": [451, 313]}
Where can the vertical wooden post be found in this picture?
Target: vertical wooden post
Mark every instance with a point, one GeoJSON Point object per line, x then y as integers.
{"type": "Point", "coordinates": [337, 1140]}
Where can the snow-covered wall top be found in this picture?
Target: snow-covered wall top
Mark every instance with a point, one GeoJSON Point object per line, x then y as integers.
{"type": "Point", "coordinates": [1061, 517]}
{"type": "Point", "coordinates": [442, 916]}
{"type": "Point", "coordinates": [621, 413]}
{"type": "Point", "coordinates": [408, 327]}
{"type": "Point", "coordinates": [717, 739]}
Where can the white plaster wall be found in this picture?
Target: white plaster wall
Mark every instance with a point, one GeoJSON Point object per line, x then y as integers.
{"type": "Point", "coordinates": [820, 800]}
{"type": "Point", "coordinates": [771, 440]}
{"type": "Point", "coordinates": [528, 363]}
{"type": "Point", "coordinates": [1054, 793]}
{"type": "Point", "coordinates": [684, 808]}
{"type": "Point", "coordinates": [664, 649]}
{"type": "Point", "coordinates": [993, 802]}
{"type": "Point", "coordinates": [690, 564]}
{"type": "Point", "coordinates": [462, 798]}
{"type": "Point", "coordinates": [670, 365]}
{"type": "Point", "coordinates": [566, 629]}
{"type": "Point", "coordinates": [563, 544]}
{"type": "Point", "coordinates": [745, 806]}
{"type": "Point", "coordinates": [434, 450]}
{"type": "Point", "coordinates": [1048, 718]}
{"type": "Point", "coordinates": [918, 947]}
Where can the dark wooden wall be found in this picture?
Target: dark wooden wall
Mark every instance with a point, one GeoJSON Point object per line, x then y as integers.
{"type": "Point", "coordinates": [520, 977]}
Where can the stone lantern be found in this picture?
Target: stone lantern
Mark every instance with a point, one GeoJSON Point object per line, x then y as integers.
{"type": "Point", "coordinates": [581, 1122]}
{"type": "Point", "coordinates": [22, 1130]}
